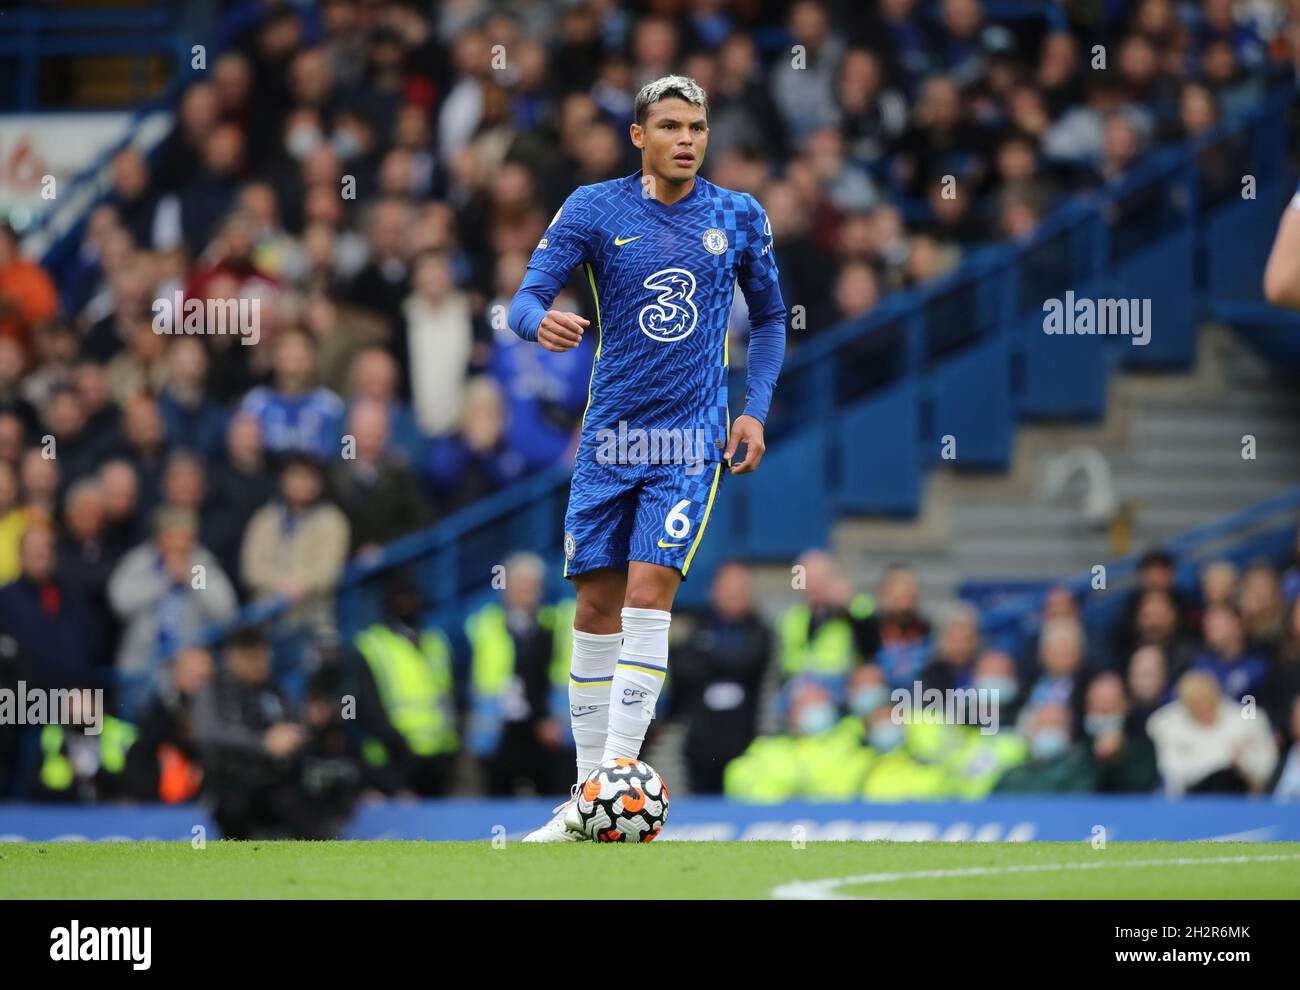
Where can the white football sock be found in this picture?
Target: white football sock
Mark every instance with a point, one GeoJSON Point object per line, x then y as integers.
{"type": "Point", "coordinates": [590, 674]}
{"type": "Point", "coordinates": [638, 679]}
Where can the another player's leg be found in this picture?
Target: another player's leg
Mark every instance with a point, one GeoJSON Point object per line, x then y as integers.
{"type": "Point", "coordinates": [643, 664]}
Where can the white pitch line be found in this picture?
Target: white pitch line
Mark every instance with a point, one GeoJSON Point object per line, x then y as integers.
{"type": "Point", "coordinates": [825, 890]}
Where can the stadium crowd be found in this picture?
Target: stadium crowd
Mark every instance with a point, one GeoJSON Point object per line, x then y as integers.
{"type": "Point", "coordinates": [374, 175]}
{"type": "Point", "coordinates": [1187, 690]}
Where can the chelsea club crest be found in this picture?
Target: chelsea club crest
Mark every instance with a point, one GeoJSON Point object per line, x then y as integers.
{"type": "Point", "coordinates": [715, 241]}
{"type": "Point", "coordinates": [570, 546]}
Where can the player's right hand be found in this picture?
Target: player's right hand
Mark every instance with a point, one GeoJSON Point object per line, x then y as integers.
{"type": "Point", "coordinates": [561, 331]}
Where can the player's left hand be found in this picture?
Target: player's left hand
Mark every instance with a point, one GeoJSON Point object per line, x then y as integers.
{"type": "Point", "coordinates": [749, 431]}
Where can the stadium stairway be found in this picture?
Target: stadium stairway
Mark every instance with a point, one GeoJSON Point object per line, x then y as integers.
{"type": "Point", "coordinates": [1171, 442]}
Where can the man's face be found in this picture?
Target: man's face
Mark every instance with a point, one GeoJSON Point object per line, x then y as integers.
{"type": "Point", "coordinates": [300, 485]}
{"type": "Point", "coordinates": [250, 664]}
{"type": "Point", "coordinates": [36, 553]}
{"type": "Point", "coordinates": [673, 139]}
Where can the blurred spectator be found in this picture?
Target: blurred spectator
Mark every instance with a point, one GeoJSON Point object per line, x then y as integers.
{"type": "Point", "coordinates": [296, 546]}
{"type": "Point", "coordinates": [519, 655]}
{"type": "Point", "coordinates": [1291, 575]}
{"type": "Point", "coordinates": [241, 483]}
{"type": "Point", "coordinates": [122, 514]}
{"type": "Point", "coordinates": [1218, 580]}
{"type": "Point", "coordinates": [384, 283]}
{"type": "Point", "coordinates": [49, 618]}
{"type": "Point", "coordinates": [897, 633]}
{"type": "Point", "coordinates": [293, 413]}
{"type": "Point", "coordinates": [1263, 609]}
{"type": "Point", "coordinates": [13, 362]}
{"type": "Point", "coordinates": [164, 763]}
{"type": "Point", "coordinates": [247, 738]}
{"type": "Point", "coordinates": [803, 85]}
{"type": "Point", "coordinates": [477, 461]}
{"type": "Point", "coordinates": [995, 672]}
{"type": "Point", "coordinates": [380, 497]}
{"type": "Point", "coordinates": [1148, 681]}
{"type": "Point", "coordinates": [1158, 623]}
{"type": "Point", "coordinates": [192, 417]}
{"type": "Point", "coordinates": [953, 661]}
{"type": "Point", "coordinates": [405, 704]}
{"type": "Point", "coordinates": [147, 449]}
{"type": "Point", "coordinates": [208, 195]}
{"type": "Point", "coordinates": [439, 335]}
{"type": "Point", "coordinates": [1055, 763]}
{"type": "Point", "coordinates": [374, 379]}
{"type": "Point", "coordinates": [816, 758]}
{"type": "Point", "coordinates": [13, 523]}
{"type": "Point", "coordinates": [1122, 755]}
{"type": "Point", "coordinates": [1287, 787]}
{"type": "Point", "coordinates": [27, 293]}
{"type": "Point", "coordinates": [717, 679]}
{"type": "Point", "coordinates": [38, 479]}
{"type": "Point", "coordinates": [77, 451]}
{"type": "Point", "coordinates": [84, 757]}
{"type": "Point", "coordinates": [1240, 671]}
{"type": "Point", "coordinates": [829, 633]}
{"type": "Point", "coordinates": [164, 591]}
{"type": "Point", "coordinates": [1155, 573]}
{"type": "Point", "coordinates": [1062, 670]}
{"type": "Point", "coordinates": [86, 561]}
{"type": "Point", "coordinates": [329, 764]}
{"type": "Point", "coordinates": [873, 115]}
{"type": "Point", "coordinates": [1204, 742]}
{"type": "Point", "coordinates": [1284, 678]}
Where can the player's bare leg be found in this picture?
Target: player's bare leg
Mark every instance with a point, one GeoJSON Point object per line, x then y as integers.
{"type": "Point", "coordinates": [597, 639]}
{"type": "Point", "coordinates": [643, 663]}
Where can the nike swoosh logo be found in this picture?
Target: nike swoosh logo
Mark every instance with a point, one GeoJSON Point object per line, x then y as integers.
{"type": "Point", "coordinates": [634, 701]}
{"type": "Point", "coordinates": [666, 546]}
{"type": "Point", "coordinates": [580, 714]}
{"type": "Point", "coordinates": [619, 241]}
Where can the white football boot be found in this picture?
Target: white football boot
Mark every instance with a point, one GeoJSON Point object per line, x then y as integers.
{"type": "Point", "coordinates": [565, 826]}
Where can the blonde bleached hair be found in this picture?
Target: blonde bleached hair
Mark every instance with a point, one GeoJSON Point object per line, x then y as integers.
{"type": "Point", "coordinates": [669, 87]}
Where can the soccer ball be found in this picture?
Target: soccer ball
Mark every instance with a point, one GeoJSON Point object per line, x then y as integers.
{"type": "Point", "coordinates": [623, 801]}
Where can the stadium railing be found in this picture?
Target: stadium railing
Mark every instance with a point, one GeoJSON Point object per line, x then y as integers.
{"type": "Point", "coordinates": [1265, 530]}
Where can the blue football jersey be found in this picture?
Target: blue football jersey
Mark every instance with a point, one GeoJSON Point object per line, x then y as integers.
{"type": "Point", "coordinates": [664, 278]}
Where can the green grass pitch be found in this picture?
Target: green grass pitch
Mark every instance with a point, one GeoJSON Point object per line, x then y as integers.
{"type": "Point", "coordinates": [694, 870]}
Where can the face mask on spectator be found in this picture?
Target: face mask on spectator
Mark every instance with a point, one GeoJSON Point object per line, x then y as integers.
{"type": "Point", "coordinates": [1048, 743]}
{"type": "Point", "coordinates": [1006, 688]}
{"type": "Point", "coordinates": [1097, 725]}
{"type": "Point", "coordinates": [302, 141]}
{"type": "Point", "coordinates": [816, 718]}
{"type": "Point", "coordinates": [346, 144]}
{"type": "Point", "coordinates": [867, 699]}
{"type": "Point", "coordinates": [885, 736]}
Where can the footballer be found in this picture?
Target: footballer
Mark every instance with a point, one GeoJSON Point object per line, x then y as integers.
{"type": "Point", "coordinates": [662, 250]}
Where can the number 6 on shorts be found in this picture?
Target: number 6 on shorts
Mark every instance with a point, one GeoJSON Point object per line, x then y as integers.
{"type": "Point", "coordinates": [677, 524]}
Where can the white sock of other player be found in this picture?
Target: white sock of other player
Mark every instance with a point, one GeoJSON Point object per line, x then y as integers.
{"type": "Point", "coordinates": [638, 679]}
{"type": "Point", "coordinates": [591, 672]}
